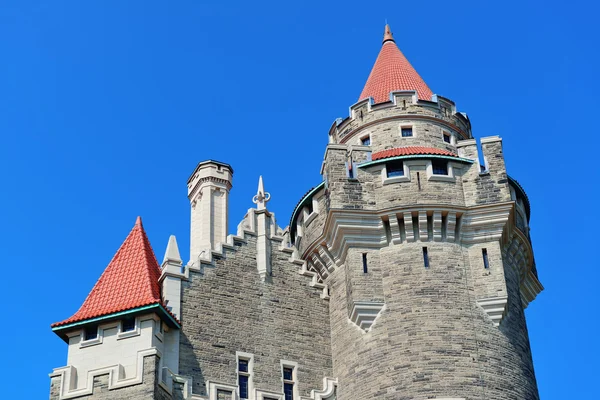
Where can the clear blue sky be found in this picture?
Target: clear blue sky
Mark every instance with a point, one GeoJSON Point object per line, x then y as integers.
{"type": "Point", "coordinates": [107, 106]}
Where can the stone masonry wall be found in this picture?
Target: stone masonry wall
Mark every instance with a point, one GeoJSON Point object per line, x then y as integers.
{"type": "Point", "coordinates": [431, 339]}
{"type": "Point", "coordinates": [230, 309]}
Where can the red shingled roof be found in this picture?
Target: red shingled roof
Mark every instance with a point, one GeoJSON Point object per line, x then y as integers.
{"type": "Point", "coordinates": [129, 281]}
{"type": "Point", "coordinates": [409, 151]}
{"type": "Point", "coordinates": [392, 72]}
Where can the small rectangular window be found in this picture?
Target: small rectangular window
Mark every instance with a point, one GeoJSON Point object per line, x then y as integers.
{"type": "Point", "coordinates": [349, 170]}
{"type": "Point", "coordinates": [407, 131]}
{"type": "Point", "coordinates": [243, 365]}
{"type": "Point", "coordinates": [90, 332]}
{"type": "Point", "coordinates": [486, 263]}
{"type": "Point", "coordinates": [440, 167]}
{"type": "Point", "coordinates": [128, 325]}
{"type": "Point", "coordinates": [447, 138]}
{"type": "Point", "coordinates": [366, 141]}
{"type": "Point", "coordinates": [425, 257]}
{"type": "Point", "coordinates": [394, 169]}
{"type": "Point", "coordinates": [364, 259]}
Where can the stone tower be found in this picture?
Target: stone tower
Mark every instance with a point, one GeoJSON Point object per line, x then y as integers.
{"type": "Point", "coordinates": [403, 274]}
{"type": "Point", "coordinates": [426, 253]}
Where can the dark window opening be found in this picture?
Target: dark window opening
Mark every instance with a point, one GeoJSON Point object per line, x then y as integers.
{"type": "Point", "coordinates": [366, 141]}
{"type": "Point", "coordinates": [288, 391]}
{"type": "Point", "coordinates": [309, 206]}
{"type": "Point", "coordinates": [90, 332]}
{"type": "Point", "coordinates": [350, 170]}
{"type": "Point", "coordinates": [394, 169]}
{"type": "Point", "coordinates": [447, 138]}
{"type": "Point", "coordinates": [407, 132]}
{"type": "Point", "coordinates": [288, 374]}
{"type": "Point", "coordinates": [364, 259]}
{"type": "Point", "coordinates": [425, 257]}
{"type": "Point", "coordinates": [486, 263]}
{"type": "Point", "coordinates": [243, 365]}
{"type": "Point", "coordinates": [243, 382]}
{"type": "Point", "coordinates": [128, 324]}
{"type": "Point", "coordinates": [440, 167]}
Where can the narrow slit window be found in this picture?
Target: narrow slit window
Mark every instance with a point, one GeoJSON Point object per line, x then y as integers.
{"type": "Point", "coordinates": [440, 167]}
{"type": "Point", "coordinates": [288, 383]}
{"type": "Point", "coordinates": [243, 377]}
{"type": "Point", "coordinates": [486, 262]}
{"type": "Point", "coordinates": [407, 131]}
{"type": "Point", "coordinates": [425, 257]}
{"type": "Point", "coordinates": [394, 169]}
{"type": "Point", "coordinates": [364, 260]}
{"type": "Point", "coordinates": [350, 170]}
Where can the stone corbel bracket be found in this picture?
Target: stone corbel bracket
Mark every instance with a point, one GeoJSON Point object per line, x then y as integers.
{"type": "Point", "coordinates": [494, 307]}
{"type": "Point", "coordinates": [364, 313]}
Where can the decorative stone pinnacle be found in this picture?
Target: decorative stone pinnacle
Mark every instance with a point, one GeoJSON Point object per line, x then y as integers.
{"type": "Point", "coordinates": [388, 34]}
{"type": "Point", "coordinates": [261, 197]}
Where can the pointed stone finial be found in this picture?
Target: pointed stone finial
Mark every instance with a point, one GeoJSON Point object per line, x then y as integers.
{"type": "Point", "coordinates": [261, 197]}
{"type": "Point", "coordinates": [387, 36]}
{"type": "Point", "coordinates": [172, 252]}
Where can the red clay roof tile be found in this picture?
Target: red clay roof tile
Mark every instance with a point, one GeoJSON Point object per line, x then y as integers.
{"type": "Point", "coordinates": [410, 150]}
{"type": "Point", "coordinates": [392, 72]}
{"type": "Point", "coordinates": [129, 281]}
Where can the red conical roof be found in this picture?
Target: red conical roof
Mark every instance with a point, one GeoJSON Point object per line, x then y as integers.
{"type": "Point", "coordinates": [391, 72]}
{"type": "Point", "coordinates": [129, 281]}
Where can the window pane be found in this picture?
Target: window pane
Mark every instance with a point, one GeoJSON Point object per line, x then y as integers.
{"type": "Point", "coordinates": [128, 324]}
{"type": "Point", "coordinates": [243, 365]}
{"type": "Point", "coordinates": [394, 169]}
{"type": "Point", "coordinates": [288, 391]}
{"type": "Point", "coordinates": [447, 138]}
{"type": "Point", "coordinates": [91, 332]}
{"type": "Point", "coordinates": [439, 167]}
{"type": "Point", "coordinates": [243, 387]}
{"type": "Point", "coordinates": [287, 374]}
{"type": "Point", "coordinates": [366, 141]}
{"type": "Point", "coordinates": [406, 132]}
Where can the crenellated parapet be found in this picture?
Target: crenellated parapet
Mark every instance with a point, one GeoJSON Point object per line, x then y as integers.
{"type": "Point", "coordinates": [430, 121]}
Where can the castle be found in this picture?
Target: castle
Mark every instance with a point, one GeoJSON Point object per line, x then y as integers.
{"type": "Point", "coordinates": [403, 274]}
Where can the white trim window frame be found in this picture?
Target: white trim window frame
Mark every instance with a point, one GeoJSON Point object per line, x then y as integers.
{"type": "Point", "coordinates": [245, 361]}
{"type": "Point", "coordinates": [136, 331]}
{"type": "Point", "coordinates": [293, 366]}
{"type": "Point", "coordinates": [407, 126]}
{"type": "Point", "coordinates": [449, 177]}
{"type": "Point", "coordinates": [395, 179]}
{"type": "Point", "coordinates": [451, 135]}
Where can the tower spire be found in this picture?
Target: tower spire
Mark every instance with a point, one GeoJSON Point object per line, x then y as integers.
{"type": "Point", "coordinates": [393, 72]}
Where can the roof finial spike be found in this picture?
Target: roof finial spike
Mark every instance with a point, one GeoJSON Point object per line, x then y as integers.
{"type": "Point", "coordinates": [387, 35]}
{"type": "Point", "coordinates": [138, 221]}
{"type": "Point", "coordinates": [261, 197]}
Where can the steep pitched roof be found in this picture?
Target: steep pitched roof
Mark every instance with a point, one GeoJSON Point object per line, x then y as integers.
{"type": "Point", "coordinates": [391, 72]}
{"type": "Point", "coordinates": [129, 281]}
{"type": "Point", "coordinates": [409, 151]}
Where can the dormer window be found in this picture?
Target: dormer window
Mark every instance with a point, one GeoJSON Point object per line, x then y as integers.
{"type": "Point", "coordinates": [407, 131]}
{"type": "Point", "coordinates": [394, 169]}
{"type": "Point", "coordinates": [439, 167]}
{"type": "Point", "coordinates": [90, 332]}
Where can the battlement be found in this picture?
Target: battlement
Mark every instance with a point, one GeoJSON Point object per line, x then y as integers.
{"type": "Point", "coordinates": [403, 106]}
